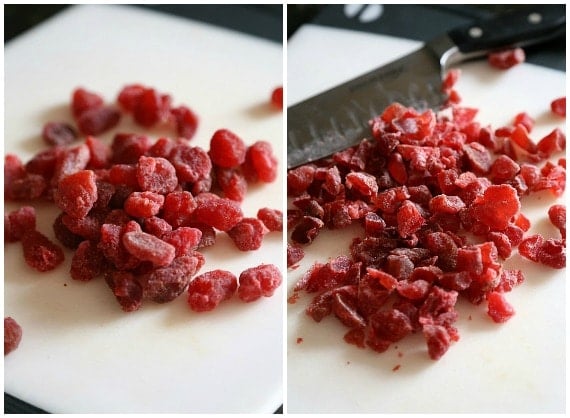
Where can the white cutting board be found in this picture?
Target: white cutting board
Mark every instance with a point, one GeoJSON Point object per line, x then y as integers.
{"type": "Point", "coordinates": [80, 353]}
{"type": "Point", "coordinates": [516, 367]}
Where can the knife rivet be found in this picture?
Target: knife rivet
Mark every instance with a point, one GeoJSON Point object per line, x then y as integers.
{"type": "Point", "coordinates": [534, 18]}
{"type": "Point", "coordinates": [475, 32]}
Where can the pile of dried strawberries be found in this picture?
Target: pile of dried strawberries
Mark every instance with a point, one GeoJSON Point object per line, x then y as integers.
{"type": "Point", "coordinates": [438, 198]}
{"type": "Point", "coordinates": [139, 212]}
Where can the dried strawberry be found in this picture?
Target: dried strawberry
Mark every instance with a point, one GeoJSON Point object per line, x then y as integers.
{"type": "Point", "coordinates": [12, 335]}
{"type": "Point", "coordinates": [207, 290]}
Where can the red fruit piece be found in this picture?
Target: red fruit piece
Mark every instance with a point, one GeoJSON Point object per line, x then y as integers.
{"type": "Point", "coordinates": [552, 253]}
{"type": "Point", "coordinates": [129, 96]}
{"type": "Point", "coordinates": [387, 327]}
{"type": "Point", "coordinates": [113, 249]}
{"type": "Point", "coordinates": [12, 335]}
{"type": "Point", "coordinates": [232, 182]}
{"type": "Point", "coordinates": [167, 283]}
{"type": "Point", "coordinates": [184, 239]}
{"type": "Point", "coordinates": [43, 163]}
{"type": "Point", "coordinates": [147, 247]}
{"type": "Point", "coordinates": [504, 60]}
{"type": "Point", "coordinates": [220, 213]}
{"type": "Point", "coordinates": [186, 121]}
{"type": "Point", "coordinates": [498, 308]}
{"type": "Point", "coordinates": [18, 222]}
{"type": "Point", "coordinates": [41, 253]}
{"type": "Point", "coordinates": [260, 163]}
{"type": "Point", "coordinates": [209, 289]}
{"type": "Point", "coordinates": [151, 108]}
{"type": "Point", "coordinates": [100, 153]}
{"type": "Point", "coordinates": [552, 143]}
{"type": "Point", "coordinates": [503, 169]}
{"type": "Point", "coordinates": [558, 106]}
{"type": "Point", "coordinates": [64, 235]}
{"type": "Point", "coordinates": [524, 119]}
{"type": "Point", "coordinates": [192, 163]}
{"type": "Point", "coordinates": [259, 281]}
{"type": "Point", "coordinates": [497, 206]}
{"type": "Point", "coordinates": [364, 183]}
{"type": "Point", "coordinates": [227, 149]}
{"type": "Point", "coordinates": [88, 262]}
{"type": "Point", "coordinates": [437, 340]}
{"type": "Point", "coordinates": [299, 179]}
{"type": "Point", "coordinates": [409, 219]}
{"type": "Point", "coordinates": [77, 193]}
{"type": "Point", "coordinates": [248, 234]}
{"type": "Point", "coordinates": [178, 208]}
{"type": "Point", "coordinates": [277, 97]}
{"type": "Point", "coordinates": [271, 218]}
{"type": "Point", "coordinates": [71, 161]}
{"type": "Point", "coordinates": [83, 100]}
{"type": "Point", "coordinates": [124, 174]}
{"type": "Point", "coordinates": [156, 226]}
{"type": "Point", "coordinates": [98, 121]}
{"type": "Point", "coordinates": [294, 254]}
{"type": "Point", "coordinates": [521, 138]}
{"type": "Point", "coordinates": [126, 289]}
{"type": "Point", "coordinates": [58, 133]}
{"type": "Point", "coordinates": [128, 148]}
{"type": "Point", "coordinates": [143, 204]}
{"type": "Point", "coordinates": [530, 247]}
{"type": "Point", "coordinates": [557, 216]}
{"type": "Point", "coordinates": [156, 175]}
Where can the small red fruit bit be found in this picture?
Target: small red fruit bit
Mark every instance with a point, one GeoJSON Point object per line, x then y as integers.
{"type": "Point", "coordinates": [186, 121]}
{"type": "Point", "coordinates": [227, 149]}
{"type": "Point", "coordinates": [58, 133]}
{"type": "Point", "coordinates": [97, 121]}
{"type": "Point", "coordinates": [260, 163]}
{"type": "Point", "coordinates": [88, 262]}
{"type": "Point", "coordinates": [208, 290]}
{"type": "Point", "coordinates": [77, 193]}
{"type": "Point", "coordinates": [558, 106]}
{"type": "Point", "coordinates": [147, 247]}
{"type": "Point", "coordinates": [507, 59]}
{"type": "Point", "coordinates": [151, 108]}
{"type": "Point", "coordinates": [129, 96]}
{"type": "Point", "coordinates": [165, 284]}
{"type": "Point", "coordinates": [143, 204]}
{"type": "Point", "coordinates": [178, 208]}
{"type": "Point", "coordinates": [437, 340]}
{"type": "Point", "coordinates": [498, 308]}
{"type": "Point", "coordinates": [83, 100]}
{"type": "Point", "coordinates": [218, 212]}
{"type": "Point", "coordinates": [272, 218]}
{"type": "Point", "coordinates": [277, 97]}
{"type": "Point", "coordinates": [41, 253]}
{"type": "Point", "coordinates": [294, 254]}
{"type": "Point", "coordinates": [156, 175]}
{"type": "Point", "coordinates": [126, 289]}
{"type": "Point", "coordinates": [248, 234]}
{"type": "Point", "coordinates": [18, 222]}
{"type": "Point", "coordinates": [12, 335]}
{"type": "Point", "coordinates": [259, 281]}
{"type": "Point", "coordinates": [557, 216]}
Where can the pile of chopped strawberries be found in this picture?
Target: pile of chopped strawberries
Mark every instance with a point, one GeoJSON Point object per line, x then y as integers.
{"type": "Point", "coordinates": [438, 198]}
{"type": "Point", "coordinates": [139, 213]}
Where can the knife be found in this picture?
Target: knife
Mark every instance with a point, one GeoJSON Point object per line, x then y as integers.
{"type": "Point", "coordinates": [338, 118]}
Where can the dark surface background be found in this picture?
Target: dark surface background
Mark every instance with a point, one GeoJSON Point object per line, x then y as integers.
{"type": "Point", "coordinates": [265, 21]}
{"type": "Point", "coordinates": [420, 22]}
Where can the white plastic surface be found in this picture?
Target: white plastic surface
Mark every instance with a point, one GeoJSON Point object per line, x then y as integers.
{"type": "Point", "coordinates": [80, 353]}
{"type": "Point", "coordinates": [515, 367]}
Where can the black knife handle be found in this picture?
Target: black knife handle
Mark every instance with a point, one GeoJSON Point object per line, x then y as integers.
{"type": "Point", "coordinates": [533, 24]}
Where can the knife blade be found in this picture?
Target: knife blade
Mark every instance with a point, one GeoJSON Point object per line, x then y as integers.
{"type": "Point", "coordinates": [338, 118]}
